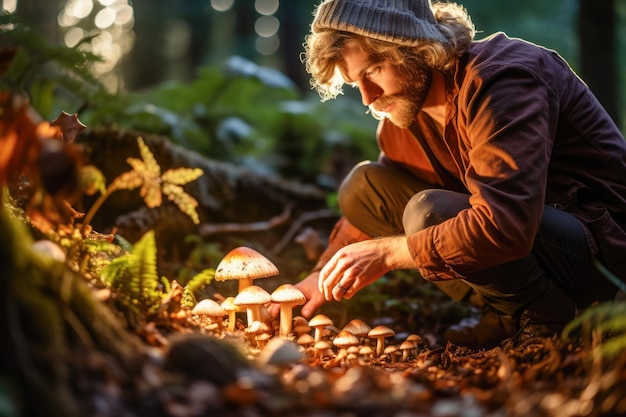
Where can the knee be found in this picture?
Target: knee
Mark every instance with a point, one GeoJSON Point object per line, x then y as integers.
{"type": "Point", "coordinates": [430, 207]}
{"type": "Point", "coordinates": [355, 186]}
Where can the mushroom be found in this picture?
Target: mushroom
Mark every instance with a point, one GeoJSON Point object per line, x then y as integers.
{"type": "Point", "coordinates": [231, 309]}
{"type": "Point", "coordinates": [358, 328]}
{"type": "Point", "coordinates": [251, 299]}
{"type": "Point", "coordinates": [320, 348]}
{"type": "Point", "coordinates": [287, 296]}
{"type": "Point", "coordinates": [380, 333]}
{"type": "Point", "coordinates": [343, 341]}
{"type": "Point", "coordinates": [258, 332]}
{"type": "Point", "coordinates": [209, 308]}
{"type": "Point", "coordinates": [406, 347]}
{"type": "Point", "coordinates": [391, 350]}
{"type": "Point", "coordinates": [300, 326]}
{"type": "Point", "coordinates": [244, 264]}
{"type": "Point", "coordinates": [319, 322]}
{"type": "Point", "coordinates": [417, 341]}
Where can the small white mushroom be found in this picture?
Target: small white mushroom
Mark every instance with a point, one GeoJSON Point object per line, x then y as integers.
{"type": "Point", "coordinates": [211, 309]}
{"type": "Point", "coordinates": [319, 323]}
{"type": "Point", "coordinates": [380, 333]}
{"type": "Point", "coordinates": [231, 309]}
{"type": "Point", "coordinates": [251, 298]}
{"type": "Point", "coordinates": [287, 296]}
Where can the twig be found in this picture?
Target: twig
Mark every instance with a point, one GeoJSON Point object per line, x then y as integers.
{"type": "Point", "coordinates": [212, 229]}
{"type": "Point", "coordinates": [297, 224]}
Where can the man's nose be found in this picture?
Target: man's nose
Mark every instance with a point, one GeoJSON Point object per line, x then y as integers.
{"type": "Point", "coordinates": [369, 91]}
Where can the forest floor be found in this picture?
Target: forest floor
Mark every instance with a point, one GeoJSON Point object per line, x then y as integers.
{"type": "Point", "coordinates": [191, 369]}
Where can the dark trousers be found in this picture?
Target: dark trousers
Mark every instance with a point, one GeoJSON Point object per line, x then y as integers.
{"type": "Point", "coordinates": [383, 201]}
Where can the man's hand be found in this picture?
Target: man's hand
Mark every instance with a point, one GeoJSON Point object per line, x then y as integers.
{"type": "Point", "coordinates": [360, 264]}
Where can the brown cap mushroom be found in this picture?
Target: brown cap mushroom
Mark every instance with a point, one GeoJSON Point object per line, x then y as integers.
{"type": "Point", "coordinates": [406, 347]}
{"type": "Point", "coordinates": [287, 296]}
{"type": "Point", "coordinates": [358, 328]}
{"type": "Point", "coordinates": [251, 298]}
{"type": "Point", "coordinates": [380, 333]}
{"type": "Point", "coordinates": [244, 264]}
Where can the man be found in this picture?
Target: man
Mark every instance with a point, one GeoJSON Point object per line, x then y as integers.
{"type": "Point", "coordinates": [500, 174]}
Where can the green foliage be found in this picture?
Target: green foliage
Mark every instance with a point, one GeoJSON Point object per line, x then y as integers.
{"type": "Point", "coordinates": [242, 120]}
{"type": "Point", "coordinates": [55, 77]}
{"type": "Point", "coordinates": [134, 279]}
{"type": "Point", "coordinates": [195, 285]}
{"type": "Point", "coordinates": [609, 320]}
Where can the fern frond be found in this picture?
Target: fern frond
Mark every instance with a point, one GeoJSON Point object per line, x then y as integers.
{"type": "Point", "coordinates": [94, 246]}
{"type": "Point", "coordinates": [181, 176]}
{"type": "Point", "coordinates": [151, 164]}
{"type": "Point", "coordinates": [195, 284]}
{"type": "Point", "coordinates": [127, 181]}
{"type": "Point", "coordinates": [144, 280]}
{"type": "Point", "coordinates": [186, 203]}
{"type": "Point", "coordinates": [115, 271]}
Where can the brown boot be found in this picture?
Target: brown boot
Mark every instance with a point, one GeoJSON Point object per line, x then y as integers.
{"type": "Point", "coordinates": [545, 317]}
{"type": "Point", "coordinates": [484, 333]}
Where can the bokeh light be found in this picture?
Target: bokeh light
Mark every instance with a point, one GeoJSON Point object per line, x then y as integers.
{"type": "Point", "coordinates": [222, 5]}
{"type": "Point", "coordinates": [266, 7]}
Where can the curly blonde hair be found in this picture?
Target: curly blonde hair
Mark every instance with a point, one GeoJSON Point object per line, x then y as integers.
{"type": "Point", "coordinates": [323, 50]}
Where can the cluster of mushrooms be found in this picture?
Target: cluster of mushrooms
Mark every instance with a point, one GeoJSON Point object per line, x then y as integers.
{"type": "Point", "coordinates": [357, 342]}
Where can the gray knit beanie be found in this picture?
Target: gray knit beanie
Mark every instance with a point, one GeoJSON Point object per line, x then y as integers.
{"type": "Point", "coordinates": [405, 22]}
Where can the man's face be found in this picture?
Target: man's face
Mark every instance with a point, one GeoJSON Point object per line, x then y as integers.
{"type": "Point", "coordinates": [388, 91]}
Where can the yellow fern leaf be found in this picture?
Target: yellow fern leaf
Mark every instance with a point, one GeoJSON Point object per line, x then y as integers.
{"type": "Point", "coordinates": [151, 192]}
{"type": "Point", "coordinates": [151, 164]}
{"type": "Point", "coordinates": [181, 176]}
{"type": "Point", "coordinates": [128, 181]}
{"type": "Point", "coordinates": [186, 203]}
{"type": "Point", "coordinates": [137, 165]}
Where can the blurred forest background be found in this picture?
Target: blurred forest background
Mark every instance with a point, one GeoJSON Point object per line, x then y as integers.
{"type": "Point", "coordinates": [167, 67]}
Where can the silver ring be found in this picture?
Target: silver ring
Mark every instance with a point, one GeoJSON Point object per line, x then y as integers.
{"type": "Point", "coordinates": [341, 287]}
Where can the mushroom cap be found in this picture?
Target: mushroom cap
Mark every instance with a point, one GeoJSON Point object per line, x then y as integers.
{"type": "Point", "coordinates": [320, 320]}
{"type": "Point", "coordinates": [258, 327]}
{"type": "Point", "coordinates": [322, 344]}
{"type": "Point", "coordinates": [305, 340]}
{"type": "Point", "coordinates": [345, 339]}
{"type": "Point", "coordinates": [407, 345]}
{"type": "Point", "coordinates": [208, 307]}
{"type": "Point", "coordinates": [357, 327]}
{"type": "Point", "coordinates": [244, 263]}
{"type": "Point", "coordinates": [229, 304]}
{"type": "Point", "coordinates": [391, 349]}
{"type": "Point", "coordinates": [253, 295]}
{"type": "Point", "coordinates": [415, 338]}
{"type": "Point", "coordinates": [381, 331]}
{"type": "Point", "coordinates": [288, 294]}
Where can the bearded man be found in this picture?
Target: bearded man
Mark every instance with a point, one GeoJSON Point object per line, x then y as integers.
{"type": "Point", "coordinates": [500, 178]}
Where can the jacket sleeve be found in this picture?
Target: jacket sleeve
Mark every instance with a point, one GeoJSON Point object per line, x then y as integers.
{"type": "Point", "coordinates": [505, 121]}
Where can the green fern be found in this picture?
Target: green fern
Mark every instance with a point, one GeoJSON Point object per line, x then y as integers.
{"type": "Point", "coordinates": [134, 279]}
{"type": "Point", "coordinates": [196, 284]}
{"type": "Point", "coordinates": [609, 319]}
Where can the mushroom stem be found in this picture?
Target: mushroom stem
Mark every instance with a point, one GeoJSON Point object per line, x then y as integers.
{"type": "Point", "coordinates": [244, 283]}
{"type": "Point", "coordinates": [232, 318]}
{"type": "Point", "coordinates": [254, 313]}
{"type": "Point", "coordinates": [285, 319]}
{"type": "Point", "coordinates": [380, 345]}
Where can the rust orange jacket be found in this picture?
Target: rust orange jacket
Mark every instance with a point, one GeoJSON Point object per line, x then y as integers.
{"type": "Point", "coordinates": [522, 130]}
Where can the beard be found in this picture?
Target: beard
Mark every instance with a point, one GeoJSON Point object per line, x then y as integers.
{"type": "Point", "coordinates": [414, 82]}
